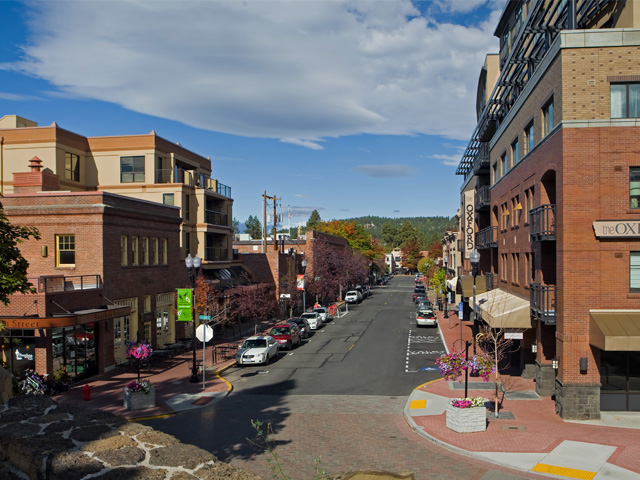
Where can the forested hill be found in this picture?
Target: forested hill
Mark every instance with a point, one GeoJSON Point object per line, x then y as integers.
{"type": "Point", "coordinates": [431, 227]}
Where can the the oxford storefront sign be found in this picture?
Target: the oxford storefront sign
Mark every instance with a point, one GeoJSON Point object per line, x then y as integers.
{"type": "Point", "coordinates": [616, 228]}
{"type": "Point", "coordinates": [469, 223]}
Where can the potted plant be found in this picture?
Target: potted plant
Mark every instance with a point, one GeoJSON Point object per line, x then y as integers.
{"type": "Point", "coordinates": [62, 379]}
{"type": "Point", "coordinates": [139, 395]}
{"type": "Point", "coordinates": [467, 415]}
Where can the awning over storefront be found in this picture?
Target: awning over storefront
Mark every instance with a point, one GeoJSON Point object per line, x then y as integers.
{"type": "Point", "coordinates": [615, 329]}
{"type": "Point", "coordinates": [79, 317]}
{"type": "Point", "coordinates": [501, 309]}
{"type": "Point", "coordinates": [465, 285]}
{"type": "Point", "coordinates": [453, 283]}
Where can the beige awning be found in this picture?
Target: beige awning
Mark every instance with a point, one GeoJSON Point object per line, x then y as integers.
{"type": "Point", "coordinates": [615, 329]}
{"type": "Point", "coordinates": [502, 309]}
{"type": "Point", "coordinates": [452, 284]}
{"type": "Point", "coordinates": [465, 285]}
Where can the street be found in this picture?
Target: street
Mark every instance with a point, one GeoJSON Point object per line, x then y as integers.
{"type": "Point", "coordinates": [338, 398]}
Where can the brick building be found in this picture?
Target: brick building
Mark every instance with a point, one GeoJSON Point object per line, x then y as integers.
{"type": "Point", "coordinates": [117, 217]}
{"type": "Point", "coordinates": [550, 198]}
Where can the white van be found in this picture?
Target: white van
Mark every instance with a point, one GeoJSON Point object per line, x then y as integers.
{"type": "Point", "coordinates": [353, 296]}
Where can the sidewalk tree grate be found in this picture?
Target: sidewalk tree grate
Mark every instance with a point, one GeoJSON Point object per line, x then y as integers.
{"type": "Point", "coordinates": [513, 427]}
{"type": "Point", "coordinates": [502, 415]}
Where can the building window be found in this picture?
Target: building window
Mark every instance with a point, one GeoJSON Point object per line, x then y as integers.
{"type": "Point", "coordinates": [547, 118]}
{"type": "Point", "coordinates": [625, 100]}
{"type": "Point", "coordinates": [634, 272]}
{"type": "Point", "coordinates": [517, 211]}
{"type": "Point", "coordinates": [123, 251]}
{"type": "Point", "coordinates": [634, 187]}
{"type": "Point", "coordinates": [134, 250]}
{"type": "Point", "coordinates": [167, 199]}
{"type": "Point", "coordinates": [503, 162]}
{"type": "Point", "coordinates": [514, 152]}
{"type": "Point", "coordinates": [147, 303]}
{"type": "Point", "coordinates": [165, 253]}
{"type": "Point", "coordinates": [528, 138]}
{"type": "Point", "coordinates": [145, 251]}
{"type": "Point", "coordinates": [187, 243]}
{"type": "Point", "coordinates": [494, 171]}
{"type": "Point", "coordinates": [187, 207]}
{"type": "Point", "coordinates": [132, 169]}
{"type": "Point", "coordinates": [527, 264]}
{"type": "Point", "coordinates": [533, 268]}
{"type": "Point", "coordinates": [503, 270]}
{"type": "Point", "coordinates": [65, 250]}
{"type": "Point", "coordinates": [117, 331]}
{"type": "Point", "coordinates": [72, 167]}
{"type": "Point", "coordinates": [515, 274]}
{"type": "Point", "coordinates": [156, 256]}
{"type": "Point", "coordinates": [147, 331]}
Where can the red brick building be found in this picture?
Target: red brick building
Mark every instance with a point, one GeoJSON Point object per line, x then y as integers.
{"type": "Point", "coordinates": [551, 178]}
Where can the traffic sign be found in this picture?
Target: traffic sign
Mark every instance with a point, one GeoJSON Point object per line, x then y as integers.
{"type": "Point", "coordinates": [204, 333]}
{"type": "Point", "coordinates": [205, 317]}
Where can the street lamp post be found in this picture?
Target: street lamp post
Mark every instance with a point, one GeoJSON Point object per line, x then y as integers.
{"type": "Point", "coordinates": [304, 286]}
{"type": "Point", "coordinates": [446, 311]}
{"type": "Point", "coordinates": [474, 258]}
{"type": "Point", "coordinates": [193, 265]}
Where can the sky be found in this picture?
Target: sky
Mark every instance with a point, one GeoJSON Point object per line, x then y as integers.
{"type": "Point", "coordinates": [350, 108]}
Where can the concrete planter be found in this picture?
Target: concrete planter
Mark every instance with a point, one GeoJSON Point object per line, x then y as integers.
{"type": "Point", "coordinates": [139, 400]}
{"type": "Point", "coordinates": [464, 420]}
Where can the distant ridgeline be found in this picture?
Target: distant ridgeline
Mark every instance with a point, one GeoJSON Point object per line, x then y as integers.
{"type": "Point", "coordinates": [432, 228]}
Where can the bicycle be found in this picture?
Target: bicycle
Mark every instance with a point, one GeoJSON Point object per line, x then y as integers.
{"type": "Point", "coordinates": [35, 384]}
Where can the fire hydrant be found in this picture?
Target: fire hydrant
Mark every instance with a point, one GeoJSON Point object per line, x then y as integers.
{"type": "Point", "coordinates": [86, 392]}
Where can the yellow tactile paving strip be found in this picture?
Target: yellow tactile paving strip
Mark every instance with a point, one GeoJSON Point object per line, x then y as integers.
{"type": "Point", "coordinates": [564, 471]}
{"type": "Point", "coordinates": [415, 404]}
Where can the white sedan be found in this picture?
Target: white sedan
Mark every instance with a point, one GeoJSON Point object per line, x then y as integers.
{"type": "Point", "coordinates": [258, 349]}
{"type": "Point", "coordinates": [313, 318]}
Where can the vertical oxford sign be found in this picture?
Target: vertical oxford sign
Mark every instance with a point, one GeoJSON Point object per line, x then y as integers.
{"type": "Point", "coordinates": [469, 222]}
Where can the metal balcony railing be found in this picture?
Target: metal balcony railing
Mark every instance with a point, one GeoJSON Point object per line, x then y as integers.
{"type": "Point", "coordinates": [487, 238]}
{"type": "Point", "coordinates": [483, 197]}
{"type": "Point", "coordinates": [216, 254]}
{"type": "Point", "coordinates": [482, 158]}
{"type": "Point", "coordinates": [542, 223]}
{"type": "Point", "coordinates": [192, 178]}
{"type": "Point", "coordinates": [61, 283]}
{"type": "Point", "coordinates": [216, 218]}
{"type": "Point", "coordinates": [543, 302]}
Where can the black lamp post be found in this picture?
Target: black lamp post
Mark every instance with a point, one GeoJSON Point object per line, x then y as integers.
{"type": "Point", "coordinates": [446, 310]}
{"type": "Point", "coordinates": [474, 258]}
{"type": "Point", "coordinates": [193, 265]}
{"type": "Point", "coordinates": [304, 286]}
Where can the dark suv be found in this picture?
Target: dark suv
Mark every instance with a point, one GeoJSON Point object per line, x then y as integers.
{"type": "Point", "coordinates": [419, 291]}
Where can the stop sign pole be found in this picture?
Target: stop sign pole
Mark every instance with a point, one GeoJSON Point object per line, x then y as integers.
{"type": "Point", "coordinates": [204, 333]}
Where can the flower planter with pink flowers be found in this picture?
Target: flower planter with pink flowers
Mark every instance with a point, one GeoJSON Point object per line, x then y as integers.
{"type": "Point", "coordinates": [466, 415]}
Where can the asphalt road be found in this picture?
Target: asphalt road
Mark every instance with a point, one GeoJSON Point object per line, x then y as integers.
{"type": "Point", "coordinates": [338, 399]}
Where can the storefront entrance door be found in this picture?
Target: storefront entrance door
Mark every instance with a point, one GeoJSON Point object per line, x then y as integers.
{"type": "Point", "coordinates": [620, 378]}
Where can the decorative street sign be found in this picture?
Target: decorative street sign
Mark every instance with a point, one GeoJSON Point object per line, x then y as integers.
{"type": "Point", "coordinates": [184, 305]}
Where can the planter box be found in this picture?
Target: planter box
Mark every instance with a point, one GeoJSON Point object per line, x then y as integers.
{"type": "Point", "coordinates": [139, 400]}
{"type": "Point", "coordinates": [463, 420]}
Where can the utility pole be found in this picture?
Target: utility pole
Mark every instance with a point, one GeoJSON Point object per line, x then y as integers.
{"type": "Point", "coordinates": [264, 218]}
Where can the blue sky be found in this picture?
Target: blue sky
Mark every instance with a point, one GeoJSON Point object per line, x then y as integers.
{"type": "Point", "coordinates": [349, 107]}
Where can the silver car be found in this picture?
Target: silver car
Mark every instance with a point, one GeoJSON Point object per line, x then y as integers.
{"type": "Point", "coordinates": [259, 349]}
{"type": "Point", "coordinates": [313, 318]}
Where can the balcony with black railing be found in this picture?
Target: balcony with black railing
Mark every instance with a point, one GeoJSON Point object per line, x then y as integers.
{"type": "Point", "coordinates": [543, 302]}
{"type": "Point", "coordinates": [192, 178]}
{"type": "Point", "coordinates": [216, 218]}
{"type": "Point", "coordinates": [61, 283]}
{"type": "Point", "coordinates": [483, 197]}
{"type": "Point", "coordinates": [542, 223]}
{"type": "Point", "coordinates": [487, 238]}
{"type": "Point", "coordinates": [216, 254]}
{"type": "Point", "coordinates": [481, 161]}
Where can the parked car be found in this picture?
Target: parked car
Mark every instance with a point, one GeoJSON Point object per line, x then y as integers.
{"type": "Point", "coordinates": [360, 290]}
{"type": "Point", "coordinates": [353, 296]}
{"type": "Point", "coordinates": [425, 303]}
{"type": "Point", "coordinates": [303, 325]}
{"type": "Point", "coordinates": [419, 291]}
{"type": "Point", "coordinates": [425, 317]}
{"type": "Point", "coordinates": [313, 319]}
{"type": "Point", "coordinates": [258, 349]}
{"type": "Point", "coordinates": [323, 313]}
{"type": "Point", "coordinates": [286, 334]}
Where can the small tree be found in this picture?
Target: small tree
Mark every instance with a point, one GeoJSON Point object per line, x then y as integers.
{"type": "Point", "coordinates": [13, 266]}
{"type": "Point", "coordinates": [314, 220]}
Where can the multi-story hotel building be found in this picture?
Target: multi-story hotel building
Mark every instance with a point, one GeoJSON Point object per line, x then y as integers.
{"type": "Point", "coordinates": [550, 198]}
{"type": "Point", "coordinates": [117, 217]}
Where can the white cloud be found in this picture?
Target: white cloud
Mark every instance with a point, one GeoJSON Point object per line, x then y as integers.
{"type": "Point", "coordinates": [385, 171]}
{"type": "Point", "coordinates": [298, 71]}
{"type": "Point", "coordinates": [17, 97]}
{"type": "Point", "coordinates": [449, 160]}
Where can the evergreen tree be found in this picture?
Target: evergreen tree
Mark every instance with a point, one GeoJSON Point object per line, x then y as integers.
{"type": "Point", "coordinates": [253, 227]}
{"type": "Point", "coordinates": [13, 267]}
{"type": "Point", "coordinates": [236, 226]}
{"type": "Point", "coordinates": [314, 220]}
{"type": "Point", "coordinates": [389, 235]}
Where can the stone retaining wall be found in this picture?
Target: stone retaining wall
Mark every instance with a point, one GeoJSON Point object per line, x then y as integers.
{"type": "Point", "coordinates": [41, 439]}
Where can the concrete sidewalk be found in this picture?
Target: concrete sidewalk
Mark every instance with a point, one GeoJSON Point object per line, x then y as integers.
{"type": "Point", "coordinates": [527, 434]}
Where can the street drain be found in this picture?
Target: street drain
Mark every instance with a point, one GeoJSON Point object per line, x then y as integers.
{"type": "Point", "coordinates": [393, 436]}
{"type": "Point", "coordinates": [393, 398]}
{"type": "Point", "coordinates": [514, 428]}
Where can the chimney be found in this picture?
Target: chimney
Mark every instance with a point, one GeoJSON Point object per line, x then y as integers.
{"type": "Point", "coordinates": [36, 180]}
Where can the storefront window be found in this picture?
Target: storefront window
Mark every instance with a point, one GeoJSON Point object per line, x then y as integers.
{"type": "Point", "coordinates": [75, 348]}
